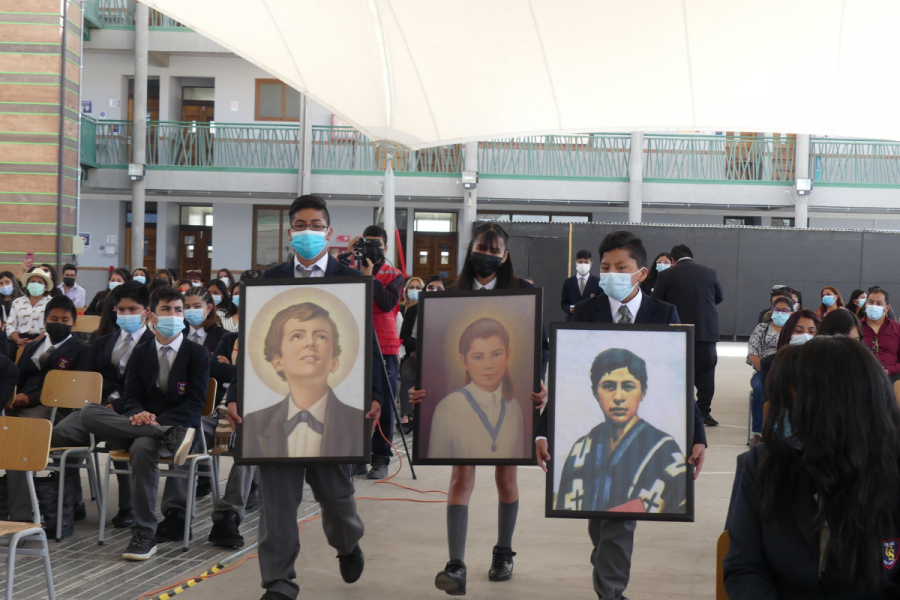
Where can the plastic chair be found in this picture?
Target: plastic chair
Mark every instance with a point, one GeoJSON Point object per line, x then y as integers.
{"type": "Point", "coordinates": [721, 550]}
{"type": "Point", "coordinates": [191, 474]}
{"type": "Point", "coordinates": [25, 446]}
{"type": "Point", "coordinates": [87, 324]}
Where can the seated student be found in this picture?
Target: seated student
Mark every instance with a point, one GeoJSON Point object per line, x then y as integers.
{"type": "Point", "coordinates": [202, 321]}
{"type": "Point", "coordinates": [9, 376]}
{"type": "Point", "coordinates": [57, 350]}
{"type": "Point", "coordinates": [116, 278]}
{"type": "Point", "coordinates": [880, 333]}
{"type": "Point", "coordinates": [842, 322]}
{"type": "Point", "coordinates": [805, 523]}
{"type": "Point", "coordinates": [764, 342]}
{"type": "Point", "coordinates": [777, 292]}
{"type": "Point", "coordinates": [165, 390]}
{"type": "Point", "coordinates": [801, 327]}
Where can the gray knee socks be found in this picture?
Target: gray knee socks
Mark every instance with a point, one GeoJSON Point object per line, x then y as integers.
{"type": "Point", "coordinates": [506, 523]}
{"type": "Point", "coordinates": [457, 527]}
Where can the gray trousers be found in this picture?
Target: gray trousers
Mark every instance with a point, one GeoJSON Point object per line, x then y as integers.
{"type": "Point", "coordinates": [237, 490]}
{"type": "Point", "coordinates": [281, 491]}
{"type": "Point", "coordinates": [144, 443]}
{"type": "Point", "coordinates": [17, 484]}
{"type": "Point", "coordinates": [72, 432]}
{"type": "Point", "coordinates": [611, 557]}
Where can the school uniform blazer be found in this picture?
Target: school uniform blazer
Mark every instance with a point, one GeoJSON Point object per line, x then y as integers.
{"type": "Point", "coordinates": [101, 362]}
{"type": "Point", "coordinates": [73, 355]}
{"type": "Point", "coordinates": [214, 335]}
{"type": "Point", "coordinates": [223, 373]}
{"type": "Point", "coordinates": [651, 312]}
{"type": "Point", "coordinates": [571, 296]}
{"type": "Point", "coordinates": [264, 435]}
{"type": "Point", "coordinates": [778, 556]}
{"type": "Point", "coordinates": [183, 400]}
{"type": "Point", "coordinates": [695, 290]}
{"type": "Point", "coordinates": [9, 377]}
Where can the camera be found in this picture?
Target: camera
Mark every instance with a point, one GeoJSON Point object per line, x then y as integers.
{"type": "Point", "coordinates": [365, 248]}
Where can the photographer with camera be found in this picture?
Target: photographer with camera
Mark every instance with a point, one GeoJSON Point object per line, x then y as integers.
{"type": "Point", "coordinates": [369, 251]}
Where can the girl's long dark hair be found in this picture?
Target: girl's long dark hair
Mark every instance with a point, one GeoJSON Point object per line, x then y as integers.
{"type": "Point", "coordinates": [489, 237]}
{"type": "Point", "coordinates": [203, 294]}
{"type": "Point", "coordinates": [843, 413]}
{"type": "Point", "coordinates": [784, 338]}
{"type": "Point", "coordinates": [123, 273]}
{"type": "Point", "coordinates": [225, 305]}
{"type": "Point", "coordinates": [17, 288]}
{"type": "Point", "coordinates": [108, 314]}
{"type": "Point", "coordinates": [840, 322]}
{"type": "Point", "coordinates": [654, 273]}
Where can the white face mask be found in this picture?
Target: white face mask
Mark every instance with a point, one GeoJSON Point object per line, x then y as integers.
{"type": "Point", "coordinates": [583, 269]}
{"type": "Point", "coordinates": [800, 338]}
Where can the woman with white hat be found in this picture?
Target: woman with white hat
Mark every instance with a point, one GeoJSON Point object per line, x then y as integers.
{"type": "Point", "coordinates": [26, 313]}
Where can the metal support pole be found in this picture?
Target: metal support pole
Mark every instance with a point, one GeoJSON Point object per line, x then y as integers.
{"type": "Point", "coordinates": [60, 170]}
{"type": "Point", "coordinates": [139, 133]}
{"type": "Point", "coordinates": [305, 163]}
{"type": "Point", "coordinates": [801, 171]}
{"type": "Point", "coordinates": [636, 177]}
{"type": "Point", "coordinates": [469, 212]}
{"type": "Point", "coordinates": [390, 224]}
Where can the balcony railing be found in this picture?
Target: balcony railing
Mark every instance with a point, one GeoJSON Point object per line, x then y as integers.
{"type": "Point", "coordinates": [119, 14]}
{"type": "Point", "coordinates": [719, 159]}
{"type": "Point", "coordinates": [346, 150]}
{"type": "Point", "coordinates": [854, 163]}
{"type": "Point", "coordinates": [579, 157]}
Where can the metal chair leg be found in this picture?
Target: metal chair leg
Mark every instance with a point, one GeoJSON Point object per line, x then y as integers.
{"type": "Point", "coordinates": [60, 498]}
{"type": "Point", "coordinates": [11, 564]}
{"type": "Point", "coordinates": [94, 480]}
{"type": "Point", "coordinates": [189, 509]}
{"type": "Point", "coordinates": [104, 499]}
{"type": "Point", "coordinates": [48, 572]}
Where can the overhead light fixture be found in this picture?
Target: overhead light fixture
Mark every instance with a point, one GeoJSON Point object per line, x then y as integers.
{"type": "Point", "coordinates": [136, 172]}
{"type": "Point", "coordinates": [804, 187]}
{"type": "Point", "coordinates": [469, 179]}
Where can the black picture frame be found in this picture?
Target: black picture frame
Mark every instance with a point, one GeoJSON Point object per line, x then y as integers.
{"type": "Point", "coordinates": [553, 406]}
{"type": "Point", "coordinates": [365, 354]}
{"type": "Point", "coordinates": [537, 294]}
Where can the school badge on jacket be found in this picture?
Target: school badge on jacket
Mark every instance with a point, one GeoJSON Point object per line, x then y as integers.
{"type": "Point", "coordinates": [890, 553]}
{"type": "Point", "coordinates": [182, 387]}
{"type": "Point", "coordinates": [64, 363]}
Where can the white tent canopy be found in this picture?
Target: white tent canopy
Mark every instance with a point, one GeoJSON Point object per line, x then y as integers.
{"type": "Point", "coordinates": [430, 72]}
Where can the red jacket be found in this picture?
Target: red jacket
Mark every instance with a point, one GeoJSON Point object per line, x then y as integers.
{"type": "Point", "coordinates": [386, 321]}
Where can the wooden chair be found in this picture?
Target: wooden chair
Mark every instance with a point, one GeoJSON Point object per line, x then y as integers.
{"type": "Point", "coordinates": [191, 473]}
{"type": "Point", "coordinates": [897, 390]}
{"type": "Point", "coordinates": [25, 446]}
{"type": "Point", "coordinates": [9, 403]}
{"type": "Point", "coordinates": [87, 324]}
{"type": "Point", "coordinates": [75, 390]}
{"type": "Point", "coordinates": [19, 353]}
{"type": "Point", "coordinates": [721, 550]}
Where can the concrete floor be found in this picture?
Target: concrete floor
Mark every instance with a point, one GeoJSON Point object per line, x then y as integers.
{"type": "Point", "coordinates": [406, 544]}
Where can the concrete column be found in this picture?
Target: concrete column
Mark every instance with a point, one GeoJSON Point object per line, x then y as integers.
{"type": "Point", "coordinates": [801, 171]}
{"type": "Point", "coordinates": [390, 213]}
{"type": "Point", "coordinates": [636, 177]}
{"type": "Point", "coordinates": [305, 164]}
{"type": "Point", "coordinates": [469, 211]}
{"type": "Point", "coordinates": [139, 133]}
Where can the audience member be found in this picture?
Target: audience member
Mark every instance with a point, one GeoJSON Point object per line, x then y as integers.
{"type": "Point", "coordinates": [817, 500]}
{"type": "Point", "coordinates": [225, 308]}
{"type": "Point", "coordinates": [195, 277]}
{"type": "Point", "coordinates": [831, 301]}
{"type": "Point", "coordinates": [662, 262]}
{"type": "Point", "coordinates": [857, 301]}
{"type": "Point", "coordinates": [140, 275]}
{"type": "Point", "coordinates": [797, 297]}
{"type": "Point", "coordinates": [9, 377]}
{"type": "Point", "coordinates": [231, 322]}
{"type": "Point", "coordinates": [9, 291]}
{"type": "Point", "coordinates": [801, 327]}
{"type": "Point", "coordinates": [225, 276]}
{"type": "Point", "coordinates": [841, 322]}
{"type": "Point", "coordinates": [70, 288]}
{"type": "Point", "coordinates": [252, 274]}
{"type": "Point", "coordinates": [116, 278]}
{"type": "Point", "coordinates": [695, 291]}
{"type": "Point", "coordinates": [881, 334]}
{"type": "Point", "coordinates": [889, 312]}
{"type": "Point", "coordinates": [202, 321]}
{"type": "Point", "coordinates": [777, 291]}
{"type": "Point", "coordinates": [164, 275]}
{"type": "Point", "coordinates": [165, 391]}
{"type": "Point", "coordinates": [26, 315]}
{"type": "Point", "coordinates": [54, 279]}
{"type": "Point", "coordinates": [107, 317]}
{"type": "Point", "coordinates": [581, 286]}
{"type": "Point", "coordinates": [407, 370]}
{"type": "Point", "coordinates": [183, 285]}
{"type": "Point", "coordinates": [763, 343]}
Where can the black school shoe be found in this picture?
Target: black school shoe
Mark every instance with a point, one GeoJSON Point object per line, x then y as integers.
{"type": "Point", "coordinates": [359, 470]}
{"type": "Point", "coordinates": [709, 421]}
{"type": "Point", "coordinates": [452, 579]}
{"type": "Point", "coordinates": [352, 565]}
{"type": "Point", "coordinates": [226, 532]}
{"type": "Point", "coordinates": [123, 519]}
{"type": "Point", "coordinates": [501, 564]}
{"type": "Point", "coordinates": [271, 595]}
{"type": "Point", "coordinates": [140, 547]}
{"type": "Point", "coordinates": [172, 528]}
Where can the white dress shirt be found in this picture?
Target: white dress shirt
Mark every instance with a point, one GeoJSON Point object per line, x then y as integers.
{"type": "Point", "coordinates": [322, 263]}
{"type": "Point", "coordinates": [476, 285]}
{"type": "Point", "coordinates": [581, 278]}
{"type": "Point", "coordinates": [457, 430]}
{"type": "Point", "coordinates": [199, 333]}
{"type": "Point", "coordinates": [136, 336]}
{"type": "Point", "coordinates": [76, 294]}
{"type": "Point", "coordinates": [175, 345]}
{"type": "Point", "coordinates": [303, 442]}
{"type": "Point", "coordinates": [634, 305]}
{"type": "Point", "coordinates": [46, 345]}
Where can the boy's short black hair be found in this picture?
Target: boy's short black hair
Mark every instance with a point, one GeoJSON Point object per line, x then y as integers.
{"type": "Point", "coordinates": [69, 267]}
{"type": "Point", "coordinates": [309, 201]}
{"type": "Point", "coordinates": [63, 302]}
{"type": "Point", "coordinates": [628, 241]}
{"type": "Point", "coordinates": [434, 278]}
{"type": "Point", "coordinates": [583, 254]}
{"type": "Point", "coordinates": [376, 231]}
{"type": "Point", "coordinates": [880, 290]}
{"type": "Point", "coordinates": [618, 358]}
{"type": "Point", "coordinates": [134, 291]}
{"type": "Point", "coordinates": [165, 294]}
{"type": "Point", "coordinates": [681, 251]}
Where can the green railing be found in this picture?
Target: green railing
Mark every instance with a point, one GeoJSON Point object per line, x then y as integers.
{"type": "Point", "coordinates": [719, 159]}
{"type": "Point", "coordinates": [119, 14]}
{"type": "Point", "coordinates": [587, 156]}
{"type": "Point", "coordinates": [854, 163]}
{"type": "Point", "coordinates": [199, 146]}
{"type": "Point", "coordinates": [346, 150]}
{"type": "Point", "coordinates": [91, 10]}
{"type": "Point", "coordinates": [87, 142]}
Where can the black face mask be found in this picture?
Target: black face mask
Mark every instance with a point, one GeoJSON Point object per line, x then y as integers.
{"type": "Point", "coordinates": [485, 264]}
{"type": "Point", "coordinates": [69, 281]}
{"type": "Point", "coordinates": [58, 332]}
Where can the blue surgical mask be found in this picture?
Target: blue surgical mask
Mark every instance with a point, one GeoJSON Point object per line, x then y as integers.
{"type": "Point", "coordinates": [617, 285]}
{"type": "Point", "coordinates": [6, 290]}
{"type": "Point", "coordinates": [828, 300]}
{"type": "Point", "coordinates": [784, 429]}
{"type": "Point", "coordinates": [113, 285]}
{"type": "Point", "coordinates": [140, 279]}
{"type": "Point", "coordinates": [861, 302]}
{"type": "Point", "coordinates": [872, 312]}
{"type": "Point", "coordinates": [195, 284]}
{"type": "Point", "coordinates": [413, 295]}
{"type": "Point", "coordinates": [130, 323]}
{"type": "Point", "coordinates": [307, 244]}
{"type": "Point", "coordinates": [195, 316]}
{"type": "Point", "coordinates": [169, 327]}
{"type": "Point", "coordinates": [236, 300]}
{"type": "Point", "coordinates": [660, 267]}
{"type": "Point", "coordinates": [216, 299]}
{"type": "Point", "coordinates": [36, 289]}
{"type": "Point", "coordinates": [780, 318]}
{"type": "Point", "coordinates": [800, 338]}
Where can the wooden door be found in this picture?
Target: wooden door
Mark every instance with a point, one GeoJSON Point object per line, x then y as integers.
{"type": "Point", "coordinates": [195, 250]}
{"type": "Point", "coordinates": [149, 259]}
{"type": "Point", "coordinates": [434, 255]}
{"type": "Point", "coordinates": [198, 146]}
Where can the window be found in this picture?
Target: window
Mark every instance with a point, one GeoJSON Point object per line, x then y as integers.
{"type": "Point", "coordinates": [434, 222]}
{"type": "Point", "coordinates": [201, 216]}
{"type": "Point", "coordinates": [271, 244]}
{"type": "Point", "coordinates": [782, 222]}
{"type": "Point", "coordinates": [743, 221]}
{"type": "Point", "coordinates": [526, 217]}
{"type": "Point", "coordinates": [276, 101]}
